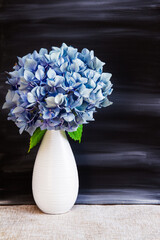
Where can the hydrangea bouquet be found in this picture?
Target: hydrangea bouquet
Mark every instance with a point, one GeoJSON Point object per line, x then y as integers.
{"type": "Point", "coordinates": [56, 90]}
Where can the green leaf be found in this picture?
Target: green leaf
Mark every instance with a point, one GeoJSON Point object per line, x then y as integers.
{"type": "Point", "coordinates": [36, 138]}
{"type": "Point", "coordinates": [77, 135]}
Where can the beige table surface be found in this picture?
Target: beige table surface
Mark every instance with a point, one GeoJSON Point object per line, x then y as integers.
{"type": "Point", "coordinates": [90, 222]}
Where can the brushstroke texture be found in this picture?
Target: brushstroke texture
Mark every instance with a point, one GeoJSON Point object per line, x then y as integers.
{"type": "Point", "coordinates": [119, 157]}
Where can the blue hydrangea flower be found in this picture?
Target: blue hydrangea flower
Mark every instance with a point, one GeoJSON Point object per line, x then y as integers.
{"type": "Point", "coordinates": [57, 90]}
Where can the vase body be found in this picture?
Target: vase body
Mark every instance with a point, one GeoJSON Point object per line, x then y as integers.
{"type": "Point", "coordinates": [55, 178]}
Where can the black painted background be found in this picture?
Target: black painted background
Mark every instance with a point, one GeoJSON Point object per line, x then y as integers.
{"type": "Point", "coordinates": [119, 157]}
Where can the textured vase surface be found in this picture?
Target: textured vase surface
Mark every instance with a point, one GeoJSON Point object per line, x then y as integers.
{"type": "Point", "coordinates": [55, 177]}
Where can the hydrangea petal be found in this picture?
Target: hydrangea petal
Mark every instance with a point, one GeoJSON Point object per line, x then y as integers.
{"type": "Point", "coordinates": [84, 91]}
{"type": "Point", "coordinates": [23, 84]}
{"type": "Point", "coordinates": [51, 73]}
{"type": "Point", "coordinates": [59, 98]}
{"type": "Point", "coordinates": [35, 55]}
{"type": "Point", "coordinates": [106, 103]}
{"type": "Point", "coordinates": [7, 105]}
{"type": "Point", "coordinates": [14, 74]}
{"type": "Point", "coordinates": [40, 73]}
{"type": "Point", "coordinates": [68, 117]}
{"type": "Point", "coordinates": [97, 64]}
{"type": "Point", "coordinates": [18, 110]}
{"type": "Point", "coordinates": [10, 95]}
{"type": "Point", "coordinates": [28, 75]}
{"type": "Point", "coordinates": [30, 64]}
{"type": "Point", "coordinates": [72, 52]}
{"type": "Point", "coordinates": [99, 95]}
{"type": "Point", "coordinates": [50, 102]}
{"type": "Point", "coordinates": [15, 97]}
{"type": "Point", "coordinates": [59, 80]}
{"type": "Point", "coordinates": [54, 56]}
{"type": "Point", "coordinates": [31, 98]}
{"type": "Point", "coordinates": [43, 51]}
{"type": "Point", "coordinates": [105, 77]}
{"type": "Point", "coordinates": [63, 67]}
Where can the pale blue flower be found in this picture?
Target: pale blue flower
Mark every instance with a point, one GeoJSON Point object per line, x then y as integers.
{"type": "Point", "coordinates": [57, 90]}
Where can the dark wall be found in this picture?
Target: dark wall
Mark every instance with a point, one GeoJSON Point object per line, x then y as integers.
{"type": "Point", "coordinates": [119, 157]}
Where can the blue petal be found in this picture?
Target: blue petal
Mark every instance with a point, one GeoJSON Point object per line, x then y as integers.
{"type": "Point", "coordinates": [28, 75]}
{"type": "Point", "coordinates": [77, 103]}
{"type": "Point", "coordinates": [83, 80]}
{"type": "Point", "coordinates": [10, 95]}
{"type": "Point", "coordinates": [47, 114]}
{"type": "Point", "coordinates": [63, 67]}
{"type": "Point", "coordinates": [30, 64]}
{"type": "Point", "coordinates": [18, 110]}
{"type": "Point", "coordinates": [97, 64]}
{"type": "Point", "coordinates": [15, 98]}
{"type": "Point", "coordinates": [79, 119]}
{"type": "Point", "coordinates": [23, 84]}
{"type": "Point", "coordinates": [56, 49]}
{"type": "Point", "coordinates": [22, 129]}
{"type": "Point", "coordinates": [59, 98]}
{"type": "Point", "coordinates": [85, 92]}
{"type": "Point", "coordinates": [50, 102]}
{"type": "Point", "coordinates": [106, 103]}
{"type": "Point", "coordinates": [54, 56]}
{"type": "Point", "coordinates": [16, 67]}
{"type": "Point", "coordinates": [42, 91]}
{"type": "Point", "coordinates": [31, 129]}
{"type": "Point", "coordinates": [72, 52]}
{"type": "Point", "coordinates": [88, 116]}
{"type": "Point", "coordinates": [91, 84]}
{"type": "Point", "coordinates": [68, 117]}
{"type": "Point", "coordinates": [98, 87]}
{"type": "Point", "coordinates": [85, 51]}
{"type": "Point", "coordinates": [48, 57]}
{"type": "Point", "coordinates": [8, 105]}
{"type": "Point", "coordinates": [51, 73]}
{"type": "Point", "coordinates": [76, 76]}
{"type": "Point", "coordinates": [92, 74]}
{"type": "Point", "coordinates": [31, 98]}
{"type": "Point", "coordinates": [64, 47]}
{"type": "Point", "coordinates": [107, 90]}
{"type": "Point", "coordinates": [86, 56]}
{"type": "Point", "coordinates": [72, 126]}
{"type": "Point", "coordinates": [40, 74]}
{"type": "Point", "coordinates": [20, 61]}
{"type": "Point", "coordinates": [60, 61]}
{"type": "Point", "coordinates": [35, 55]}
{"type": "Point", "coordinates": [82, 107]}
{"type": "Point", "coordinates": [74, 67]}
{"type": "Point", "coordinates": [105, 77]}
{"type": "Point", "coordinates": [43, 51]}
{"type": "Point", "coordinates": [51, 82]}
{"type": "Point", "coordinates": [14, 74]}
{"type": "Point", "coordinates": [59, 80]}
{"type": "Point", "coordinates": [99, 95]}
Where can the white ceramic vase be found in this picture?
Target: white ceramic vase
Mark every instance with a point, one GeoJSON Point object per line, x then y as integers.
{"type": "Point", "coordinates": [55, 178]}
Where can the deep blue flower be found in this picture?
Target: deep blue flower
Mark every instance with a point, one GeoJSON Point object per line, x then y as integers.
{"type": "Point", "coordinates": [57, 90]}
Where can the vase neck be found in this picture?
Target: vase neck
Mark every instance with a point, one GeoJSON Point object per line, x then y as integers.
{"type": "Point", "coordinates": [56, 133]}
